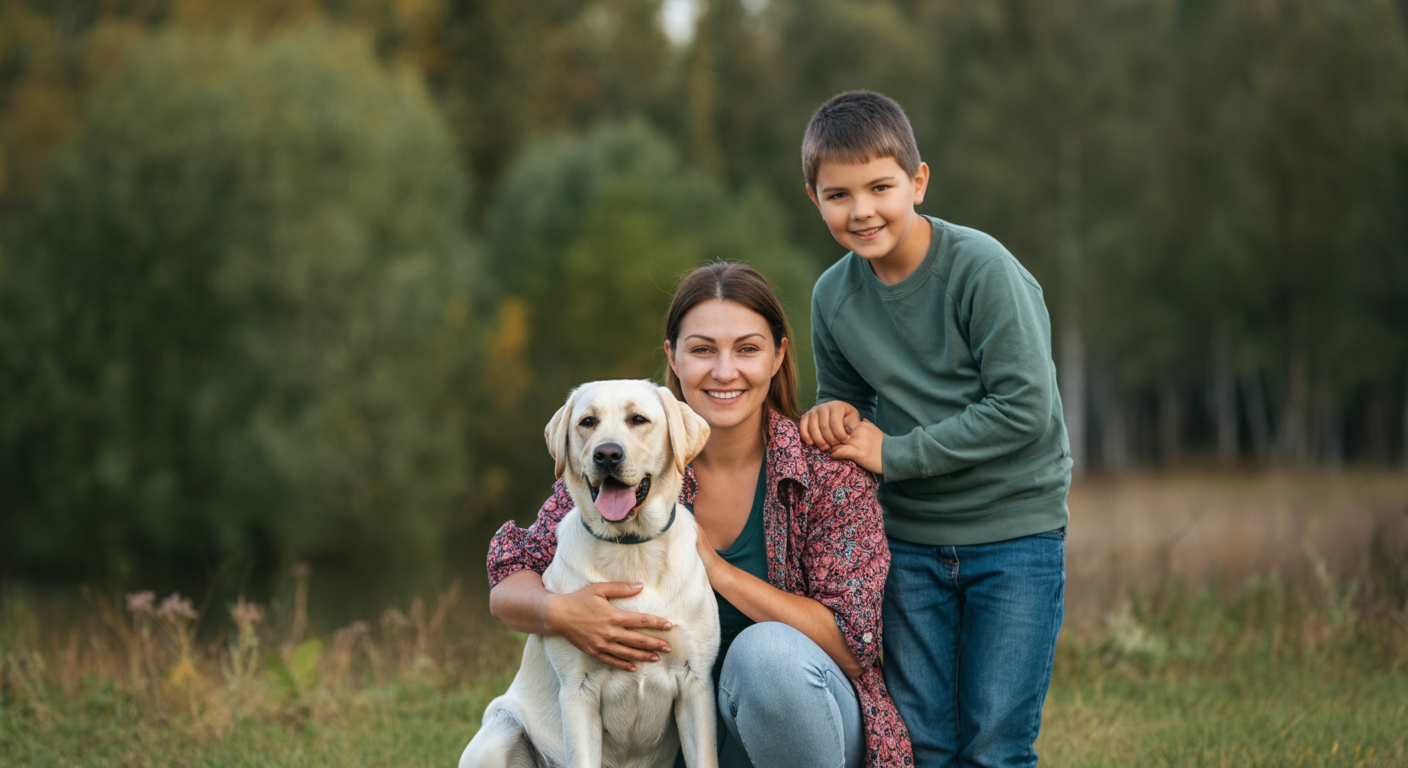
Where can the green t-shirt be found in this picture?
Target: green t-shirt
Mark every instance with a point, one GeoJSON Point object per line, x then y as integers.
{"type": "Point", "coordinates": [953, 363]}
{"type": "Point", "coordinates": [749, 553]}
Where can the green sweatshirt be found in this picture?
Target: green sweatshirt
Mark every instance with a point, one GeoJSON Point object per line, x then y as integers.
{"type": "Point", "coordinates": [953, 363]}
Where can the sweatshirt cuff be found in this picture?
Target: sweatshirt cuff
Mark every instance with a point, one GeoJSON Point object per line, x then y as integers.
{"type": "Point", "coordinates": [898, 459]}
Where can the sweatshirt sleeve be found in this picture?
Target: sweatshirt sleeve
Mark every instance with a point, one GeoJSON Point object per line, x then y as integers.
{"type": "Point", "coordinates": [529, 549]}
{"type": "Point", "coordinates": [836, 379]}
{"type": "Point", "coordinates": [1009, 335]}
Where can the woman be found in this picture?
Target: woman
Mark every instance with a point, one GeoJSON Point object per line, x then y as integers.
{"type": "Point", "coordinates": [792, 540]}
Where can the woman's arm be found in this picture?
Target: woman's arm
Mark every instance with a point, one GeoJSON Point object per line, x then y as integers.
{"type": "Point", "coordinates": [761, 601]}
{"type": "Point", "coordinates": [845, 555]}
{"type": "Point", "coordinates": [585, 618]}
{"type": "Point", "coordinates": [517, 558]}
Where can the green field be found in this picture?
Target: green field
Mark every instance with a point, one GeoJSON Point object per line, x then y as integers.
{"type": "Point", "coordinates": [1303, 665]}
{"type": "Point", "coordinates": [1297, 711]}
{"type": "Point", "coordinates": [1250, 708]}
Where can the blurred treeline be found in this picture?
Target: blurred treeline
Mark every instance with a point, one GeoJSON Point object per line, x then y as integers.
{"type": "Point", "coordinates": [303, 279]}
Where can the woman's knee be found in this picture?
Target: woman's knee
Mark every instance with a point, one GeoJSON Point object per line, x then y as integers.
{"type": "Point", "coordinates": [775, 665]}
{"type": "Point", "coordinates": [780, 694]}
{"type": "Point", "coordinates": [764, 648]}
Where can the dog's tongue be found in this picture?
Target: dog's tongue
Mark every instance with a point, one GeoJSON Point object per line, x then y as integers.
{"type": "Point", "coordinates": [615, 501]}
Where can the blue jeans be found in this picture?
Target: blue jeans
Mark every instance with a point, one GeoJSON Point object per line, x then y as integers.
{"type": "Point", "coordinates": [970, 637]}
{"type": "Point", "coordinates": [783, 703]}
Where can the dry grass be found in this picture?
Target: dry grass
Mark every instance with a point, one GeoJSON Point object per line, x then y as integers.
{"type": "Point", "coordinates": [1234, 620]}
{"type": "Point", "coordinates": [147, 648]}
{"type": "Point", "coordinates": [1139, 532]}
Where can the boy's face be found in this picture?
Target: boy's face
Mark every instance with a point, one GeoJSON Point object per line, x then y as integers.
{"type": "Point", "coordinates": [869, 208]}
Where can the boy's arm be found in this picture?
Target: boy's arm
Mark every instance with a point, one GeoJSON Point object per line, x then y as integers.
{"type": "Point", "coordinates": [835, 378]}
{"type": "Point", "coordinates": [1009, 336]}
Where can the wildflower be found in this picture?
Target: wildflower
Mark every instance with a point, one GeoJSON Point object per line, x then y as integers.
{"type": "Point", "coordinates": [176, 609]}
{"type": "Point", "coordinates": [246, 614]}
{"type": "Point", "coordinates": [140, 603]}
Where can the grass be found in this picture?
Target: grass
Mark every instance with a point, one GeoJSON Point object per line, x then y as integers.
{"type": "Point", "coordinates": [1265, 679]}
{"type": "Point", "coordinates": [1300, 659]}
{"type": "Point", "coordinates": [397, 725]}
{"type": "Point", "coordinates": [1247, 712]}
{"type": "Point", "coordinates": [132, 686]}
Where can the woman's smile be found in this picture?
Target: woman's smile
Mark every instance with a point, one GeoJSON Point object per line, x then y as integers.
{"type": "Point", "coordinates": [725, 358]}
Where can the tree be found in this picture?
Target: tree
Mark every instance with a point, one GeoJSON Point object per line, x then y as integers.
{"type": "Point", "coordinates": [1323, 107]}
{"type": "Point", "coordinates": [512, 71]}
{"type": "Point", "coordinates": [239, 308]}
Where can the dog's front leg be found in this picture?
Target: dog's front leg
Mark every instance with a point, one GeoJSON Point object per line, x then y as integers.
{"type": "Point", "coordinates": [580, 700]}
{"type": "Point", "coordinates": [694, 714]}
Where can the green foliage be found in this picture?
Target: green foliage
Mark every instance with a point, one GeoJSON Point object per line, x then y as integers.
{"type": "Point", "coordinates": [589, 237]}
{"type": "Point", "coordinates": [239, 308]}
{"type": "Point", "coordinates": [237, 313]}
{"type": "Point", "coordinates": [299, 673]}
{"type": "Point", "coordinates": [510, 71]}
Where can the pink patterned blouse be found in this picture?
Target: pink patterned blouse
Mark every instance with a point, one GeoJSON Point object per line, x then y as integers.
{"type": "Point", "coordinates": [825, 540]}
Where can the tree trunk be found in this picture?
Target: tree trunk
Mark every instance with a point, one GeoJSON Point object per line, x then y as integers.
{"type": "Point", "coordinates": [1405, 418]}
{"type": "Point", "coordinates": [1072, 343]}
{"type": "Point", "coordinates": [1110, 415]}
{"type": "Point", "coordinates": [1072, 380]}
{"type": "Point", "coordinates": [1170, 422]}
{"type": "Point", "coordinates": [1224, 399]}
{"type": "Point", "coordinates": [702, 102]}
{"type": "Point", "coordinates": [1258, 420]}
{"type": "Point", "coordinates": [1377, 427]}
{"type": "Point", "coordinates": [1293, 437]}
{"type": "Point", "coordinates": [1331, 437]}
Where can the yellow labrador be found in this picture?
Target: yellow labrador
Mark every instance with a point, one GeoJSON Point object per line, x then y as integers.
{"type": "Point", "coordinates": [623, 447]}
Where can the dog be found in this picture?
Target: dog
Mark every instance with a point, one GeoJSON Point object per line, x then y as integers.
{"type": "Point", "coordinates": [623, 447]}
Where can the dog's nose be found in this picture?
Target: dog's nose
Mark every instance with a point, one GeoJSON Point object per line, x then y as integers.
{"type": "Point", "coordinates": [608, 455]}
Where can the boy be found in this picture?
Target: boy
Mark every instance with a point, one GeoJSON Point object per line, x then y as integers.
{"type": "Point", "coordinates": [934, 370]}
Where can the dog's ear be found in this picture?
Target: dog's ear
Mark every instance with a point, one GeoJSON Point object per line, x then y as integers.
{"type": "Point", "coordinates": [688, 430]}
{"type": "Point", "coordinates": [557, 433]}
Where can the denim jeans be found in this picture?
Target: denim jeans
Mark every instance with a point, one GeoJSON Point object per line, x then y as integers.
{"type": "Point", "coordinates": [783, 703]}
{"type": "Point", "coordinates": [970, 637]}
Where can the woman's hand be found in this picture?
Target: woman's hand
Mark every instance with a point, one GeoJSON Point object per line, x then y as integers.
{"type": "Point", "coordinates": [585, 618]}
{"type": "Point", "coordinates": [761, 601]}
{"type": "Point", "coordinates": [712, 561]}
{"type": "Point", "coordinates": [603, 631]}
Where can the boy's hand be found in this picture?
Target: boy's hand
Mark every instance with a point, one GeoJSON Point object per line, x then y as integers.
{"type": "Point", "coordinates": [863, 447]}
{"type": "Point", "coordinates": [829, 424]}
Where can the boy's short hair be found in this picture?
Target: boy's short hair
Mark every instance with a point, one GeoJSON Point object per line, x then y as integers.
{"type": "Point", "coordinates": [857, 127]}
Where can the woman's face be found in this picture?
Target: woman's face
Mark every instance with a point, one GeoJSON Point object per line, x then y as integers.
{"type": "Point", "coordinates": [725, 360]}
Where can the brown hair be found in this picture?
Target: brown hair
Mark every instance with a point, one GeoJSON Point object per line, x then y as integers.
{"type": "Point", "coordinates": [857, 127]}
{"type": "Point", "coordinates": [741, 284]}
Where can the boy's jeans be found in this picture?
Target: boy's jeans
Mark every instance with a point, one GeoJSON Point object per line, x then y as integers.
{"type": "Point", "coordinates": [970, 637]}
{"type": "Point", "coordinates": [784, 703]}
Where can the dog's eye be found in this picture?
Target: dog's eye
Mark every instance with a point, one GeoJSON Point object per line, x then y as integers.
{"type": "Point", "coordinates": [639, 419]}
{"type": "Point", "coordinates": [587, 421]}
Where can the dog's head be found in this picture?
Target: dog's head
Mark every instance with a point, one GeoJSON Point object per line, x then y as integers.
{"type": "Point", "coordinates": [623, 447]}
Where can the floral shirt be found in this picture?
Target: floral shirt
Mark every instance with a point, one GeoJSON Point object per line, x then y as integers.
{"type": "Point", "coordinates": [825, 540]}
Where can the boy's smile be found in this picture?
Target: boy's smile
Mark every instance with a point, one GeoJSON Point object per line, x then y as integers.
{"type": "Point", "coordinates": [869, 208]}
